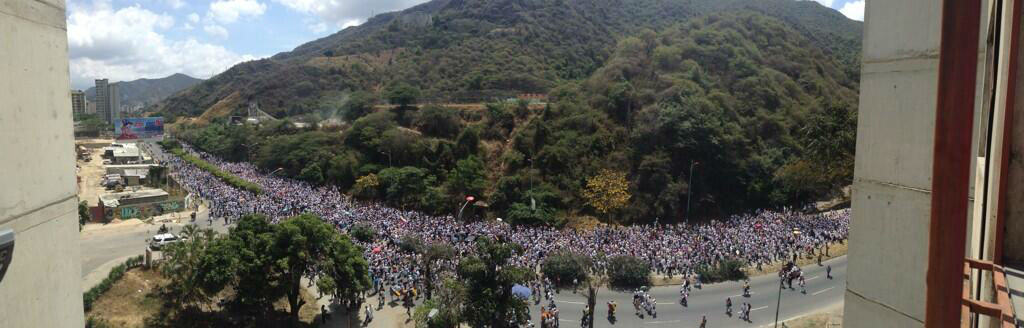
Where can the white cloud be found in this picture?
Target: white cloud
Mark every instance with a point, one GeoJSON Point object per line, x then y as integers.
{"type": "Point", "coordinates": [344, 13]}
{"type": "Point", "coordinates": [176, 4]}
{"type": "Point", "coordinates": [216, 30]}
{"type": "Point", "coordinates": [854, 10]}
{"type": "Point", "coordinates": [193, 17]}
{"type": "Point", "coordinates": [127, 43]}
{"type": "Point", "coordinates": [229, 11]}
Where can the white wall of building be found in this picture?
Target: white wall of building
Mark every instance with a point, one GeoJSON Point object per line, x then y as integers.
{"type": "Point", "coordinates": [42, 287]}
{"type": "Point", "coordinates": [889, 233]}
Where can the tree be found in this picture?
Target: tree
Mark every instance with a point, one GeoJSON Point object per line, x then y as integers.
{"type": "Point", "coordinates": [467, 178]}
{"type": "Point", "coordinates": [489, 278]}
{"type": "Point", "coordinates": [402, 94]}
{"type": "Point", "coordinates": [359, 104]}
{"type": "Point", "coordinates": [363, 232]}
{"type": "Point", "coordinates": [306, 246]}
{"type": "Point", "coordinates": [607, 191]}
{"type": "Point", "coordinates": [628, 271]}
{"type": "Point", "coordinates": [566, 266]}
{"type": "Point", "coordinates": [312, 174]}
{"type": "Point", "coordinates": [406, 185]}
{"type": "Point", "coordinates": [192, 281]}
{"type": "Point", "coordinates": [83, 214]}
{"type": "Point", "coordinates": [429, 257]}
{"type": "Point", "coordinates": [438, 121]}
{"type": "Point", "coordinates": [367, 186]}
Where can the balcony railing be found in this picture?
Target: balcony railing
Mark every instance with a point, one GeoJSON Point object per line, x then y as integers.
{"type": "Point", "coordinates": [1001, 311]}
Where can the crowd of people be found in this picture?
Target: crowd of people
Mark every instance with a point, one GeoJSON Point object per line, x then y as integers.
{"type": "Point", "coordinates": [757, 238]}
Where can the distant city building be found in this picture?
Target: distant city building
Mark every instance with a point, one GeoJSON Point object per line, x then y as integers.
{"type": "Point", "coordinates": [108, 101]}
{"type": "Point", "coordinates": [102, 100]}
{"type": "Point", "coordinates": [78, 103]}
{"type": "Point", "coordinates": [114, 99]}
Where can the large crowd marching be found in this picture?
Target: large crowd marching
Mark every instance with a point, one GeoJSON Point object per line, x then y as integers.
{"type": "Point", "coordinates": [757, 238]}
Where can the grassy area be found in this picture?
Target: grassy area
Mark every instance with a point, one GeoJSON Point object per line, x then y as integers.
{"type": "Point", "coordinates": [135, 301]}
{"type": "Point", "coordinates": [229, 178]}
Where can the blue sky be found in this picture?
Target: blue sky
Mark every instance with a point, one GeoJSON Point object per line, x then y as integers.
{"type": "Point", "coordinates": [130, 39]}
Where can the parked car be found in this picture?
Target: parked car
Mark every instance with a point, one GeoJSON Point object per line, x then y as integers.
{"type": "Point", "coordinates": [161, 240]}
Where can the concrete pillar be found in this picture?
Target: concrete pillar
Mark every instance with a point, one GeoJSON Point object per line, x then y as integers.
{"type": "Point", "coordinates": [889, 233]}
{"type": "Point", "coordinates": [42, 287]}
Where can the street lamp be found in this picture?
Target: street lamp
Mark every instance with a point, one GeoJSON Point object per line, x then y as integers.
{"type": "Point", "coordinates": [468, 200]}
{"type": "Point", "coordinates": [778, 302]}
{"type": "Point", "coordinates": [689, 187]}
{"type": "Point", "coordinates": [275, 171]}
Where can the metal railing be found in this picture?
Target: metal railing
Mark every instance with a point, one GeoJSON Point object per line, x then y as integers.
{"type": "Point", "coordinates": [1001, 311]}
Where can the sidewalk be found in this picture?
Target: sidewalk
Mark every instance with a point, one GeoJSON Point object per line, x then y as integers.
{"type": "Point", "coordinates": [96, 276]}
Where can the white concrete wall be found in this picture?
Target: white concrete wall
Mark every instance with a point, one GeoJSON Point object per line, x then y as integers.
{"type": "Point", "coordinates": [892, 180]}
{"type": "Point", "coordinates": [42, 287]}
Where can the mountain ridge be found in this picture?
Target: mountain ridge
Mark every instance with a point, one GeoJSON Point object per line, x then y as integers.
{"type": "Point", "coordinates": [146, 92]}
{"type": "Point", "coordinates": [465, 50]}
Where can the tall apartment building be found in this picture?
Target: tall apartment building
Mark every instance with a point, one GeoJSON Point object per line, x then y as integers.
{"type": "Point", "coordinates": [78, 103]}
{"type": "Point", "coordinates": [938, 201]}
{"type": "Point", "coordinates": [114, 100]}
{"type": "Point", "coordinates": [43, 283]}
{"type": "Point", "coordinates": [102, 100]}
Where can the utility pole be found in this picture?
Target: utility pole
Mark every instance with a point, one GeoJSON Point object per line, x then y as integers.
{"type": "Point", "coordinates": [689, 188]}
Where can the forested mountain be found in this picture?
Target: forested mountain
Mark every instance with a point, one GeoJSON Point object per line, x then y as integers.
{"type": "Point", "coordinates": [756, 98]}
{"type": "Point", "coordinates": [144, 92]}
{"type": "Point", "coordinates": [476, 51]}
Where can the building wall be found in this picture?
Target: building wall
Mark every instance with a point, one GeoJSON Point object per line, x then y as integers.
{"type": "Point", "coordinates": [78, 102]}
{"type": "Point", "coordinates": [102, 100]}
{"type": "Point", "coordinates": [889, 233]}
{"type": "Point", "coordinates": [1013, 242]}
{"type": "Point", "coordinates": [114, 99]}
{"type": "Point", "coordinates": [42, 287]}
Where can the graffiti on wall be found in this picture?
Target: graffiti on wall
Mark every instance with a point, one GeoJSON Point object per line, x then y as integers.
{"type": "Point", "coordinates": [142, 211]}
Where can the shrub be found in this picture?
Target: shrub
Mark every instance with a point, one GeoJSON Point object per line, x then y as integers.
{"type": "Point", "coordinates": [363, 232]}
{"type": "Point", "coordinates": [564, 266]}
{"type": "Point", "coordinates": [227, 177]}
{"type": "Point", "coordinates": [410, 244]}
{"type": "Point", "coordinates": [726, 270]}
{"type": "Point", "coordinates": [628, 271]}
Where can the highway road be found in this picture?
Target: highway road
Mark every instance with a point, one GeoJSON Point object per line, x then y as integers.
{"type": "Point", "coordinates": [821, 293]}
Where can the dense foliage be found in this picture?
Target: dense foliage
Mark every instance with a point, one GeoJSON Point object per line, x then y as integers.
{"type": "Point", "coordinates": [263, 263]}
{"type": "Point", "coordinates": [564, 267]}
{"type": "Point", "coordinates": [628, 271]}
{"type": "Point", "coordinates": [725, 270]}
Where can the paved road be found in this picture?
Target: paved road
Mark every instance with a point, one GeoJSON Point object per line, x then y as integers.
{"type": "Point", "coordinates": [710, 301]}
{"type": "Point", "coordinates": [108, 244]}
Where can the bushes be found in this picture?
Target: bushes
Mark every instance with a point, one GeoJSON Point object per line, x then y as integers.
{"type": "Point", "coordinates": [410, 244]}
{"type": "Point", "coordinates": [628, 271]}
{"type": "Point", "coordinates": [116, 273]}
{"type": "Point", "coordinates": [726, 270]}
{"type": "Point", "coordinates": [363, 232]}
{"type": "Point", "coordinates": [564, 266]}
{"type": "Point", "coordinates": [229, 178]}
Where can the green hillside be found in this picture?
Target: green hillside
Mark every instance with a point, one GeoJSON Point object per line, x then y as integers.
{"type": "Point", "coordinates": [476, 51]}
{"type": "Point", "coordinates": [759, 96]}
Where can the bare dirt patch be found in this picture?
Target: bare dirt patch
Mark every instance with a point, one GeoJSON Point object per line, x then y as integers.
{"type": "Point", "coordinates": [136, 298]}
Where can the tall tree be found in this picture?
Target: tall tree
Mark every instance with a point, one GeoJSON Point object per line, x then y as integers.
{"type": "Point", "coordinates": [489, 278]}
{"type": "Point", "coordinates": [306, 246]}
{"type": "Point", "coordinates": [607, 191]}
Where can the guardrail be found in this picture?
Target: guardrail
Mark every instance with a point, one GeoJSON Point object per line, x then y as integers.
{"type": "Point", "coordinates": [1001, 311]}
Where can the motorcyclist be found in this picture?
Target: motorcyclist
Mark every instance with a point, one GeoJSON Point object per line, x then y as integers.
{"type": "Point", "coordinates": [611, 308]}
